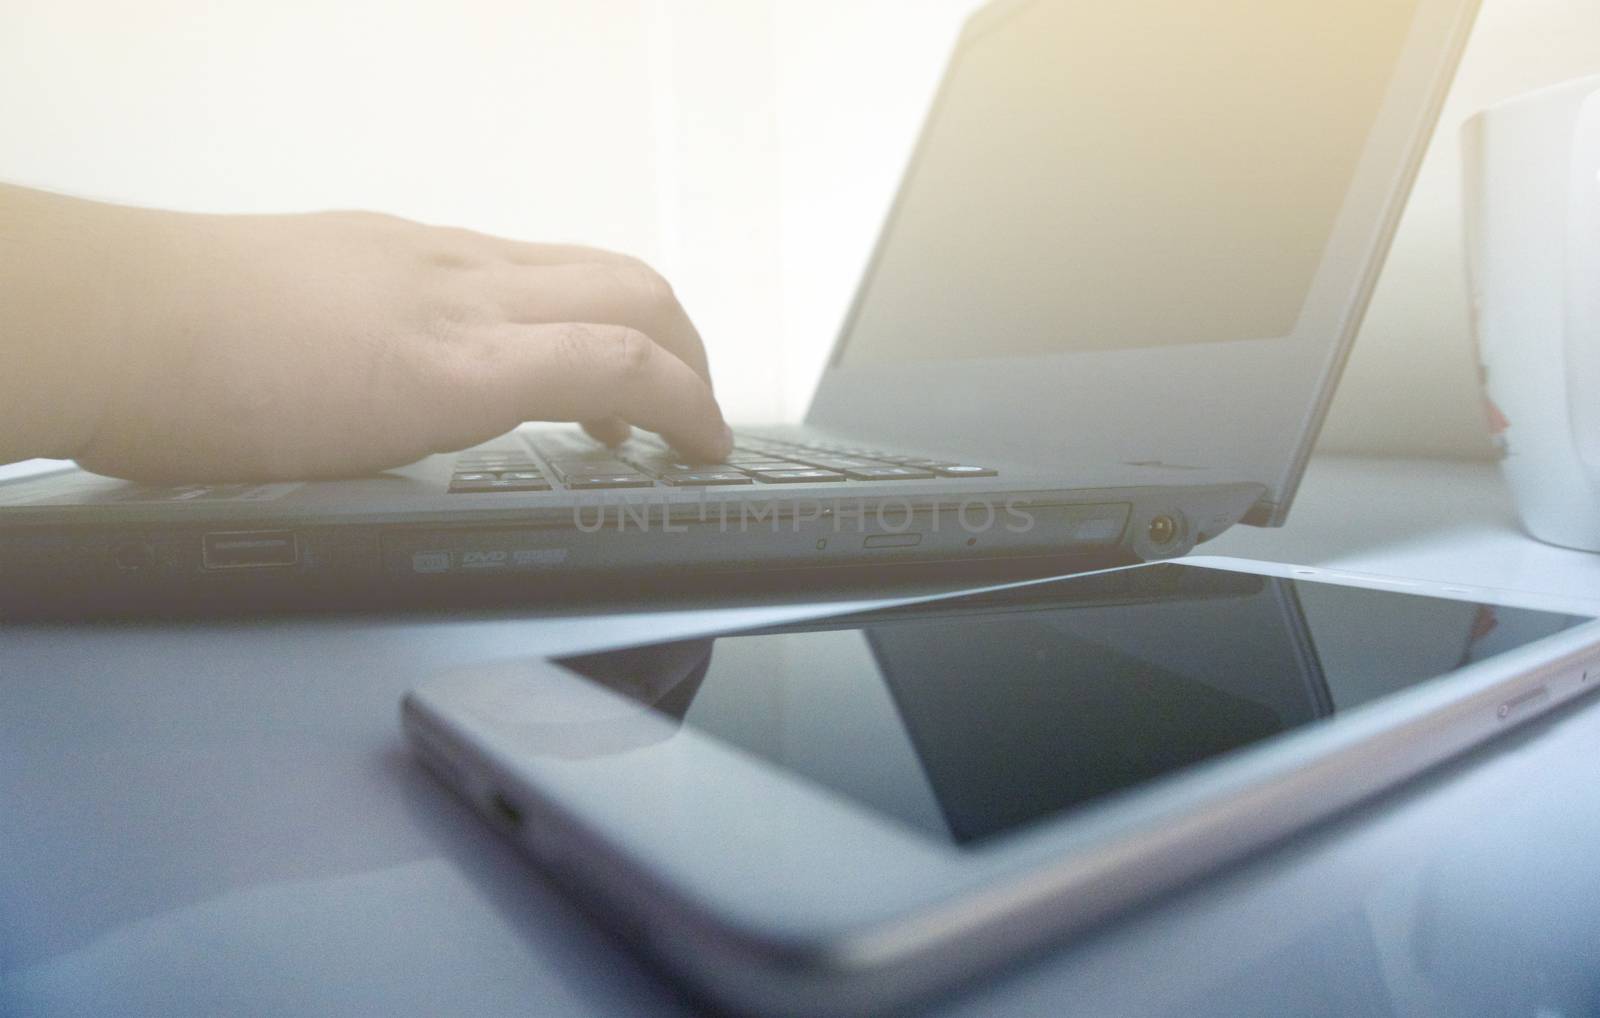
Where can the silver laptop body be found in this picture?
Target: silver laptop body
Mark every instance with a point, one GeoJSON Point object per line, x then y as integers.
{"type": "Point", "coordinates": [1102, 323]}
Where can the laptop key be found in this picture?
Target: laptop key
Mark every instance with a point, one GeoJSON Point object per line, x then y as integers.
{"type": "Point", "coordinates": [964, 470]}
{"type": "Point", "coordinates": [801, 476]}
{"type": "Point", "coordinates": [568, 471]}
{"type": "Point", "coordinates": [690, 478]}
{"type": "Point", "coordinates": [580, 463]}
{"type": "Point", "coordinates": [458, 487]}
{"type": "Point", "coordinates": [887, 473]}
{"type": "Point", "coordinates": [666, 467]}
{"type": "Point", "coordinates": [843, 464]}
{"type": "Point", "coordinates": [585, 482]}
{"type": "Point", "coordinates": [498, 466]}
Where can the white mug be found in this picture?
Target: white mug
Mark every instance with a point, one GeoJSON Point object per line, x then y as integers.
{"type": "Point", "coordinates": [1532, 204]}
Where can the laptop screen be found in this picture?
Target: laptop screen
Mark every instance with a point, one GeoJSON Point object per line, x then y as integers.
{"type": "Point", "coordinates": [1137, 174]}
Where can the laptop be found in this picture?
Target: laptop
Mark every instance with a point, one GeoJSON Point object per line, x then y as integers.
{"type": "Point", "coordinates": [1102, 323]}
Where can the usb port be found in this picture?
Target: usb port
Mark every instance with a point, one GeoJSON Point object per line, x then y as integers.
{"type": "Point", "coordinates": [249, 549]}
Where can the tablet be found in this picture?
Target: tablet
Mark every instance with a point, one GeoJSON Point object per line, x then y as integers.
{"type": "Point", "coordinates": [852, 812]}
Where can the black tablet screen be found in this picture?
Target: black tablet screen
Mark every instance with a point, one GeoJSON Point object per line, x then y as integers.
{"type": "Point", "coordinates": [973, 716]}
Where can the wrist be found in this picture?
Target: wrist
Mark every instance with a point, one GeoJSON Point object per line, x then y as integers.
{"type": "Point", "coordinates": [63, 269]}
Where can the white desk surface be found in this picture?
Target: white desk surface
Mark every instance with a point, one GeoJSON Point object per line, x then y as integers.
{"type": "Point", "coordinates": [223, 819]}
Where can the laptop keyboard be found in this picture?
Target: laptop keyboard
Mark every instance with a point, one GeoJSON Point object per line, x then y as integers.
{"type": "Point", "coordinates": [580, 465]}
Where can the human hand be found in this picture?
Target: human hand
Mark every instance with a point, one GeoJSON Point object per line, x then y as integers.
{"type": "Point", "coordinates": [336, 344]}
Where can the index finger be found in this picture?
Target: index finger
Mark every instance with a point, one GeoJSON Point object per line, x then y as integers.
{"type": "Point", "coordinates": [587, 371]}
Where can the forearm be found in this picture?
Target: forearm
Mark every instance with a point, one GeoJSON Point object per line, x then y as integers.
{"type": "Point", "coordinates": [62, 262]}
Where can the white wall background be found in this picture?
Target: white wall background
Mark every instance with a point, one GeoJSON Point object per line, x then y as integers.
{"type": "Point", "coordinates": [748, 148]}
{"type": "Point", "coordinates": [1411, 384]}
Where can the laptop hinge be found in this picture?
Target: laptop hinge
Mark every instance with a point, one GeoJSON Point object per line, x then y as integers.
{"type": "Point", "coordinates": [1265, 514]}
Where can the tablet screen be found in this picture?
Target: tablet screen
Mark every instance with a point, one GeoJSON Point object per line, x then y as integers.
{"type": "Point", "coordinates": [972, 717]}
